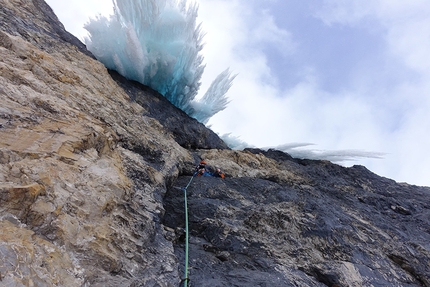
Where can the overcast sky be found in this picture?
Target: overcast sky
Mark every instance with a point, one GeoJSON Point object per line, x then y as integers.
{"type": "Point", "coordinates": [342, 75]}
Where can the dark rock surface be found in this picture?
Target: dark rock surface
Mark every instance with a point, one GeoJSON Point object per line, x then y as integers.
{"type": "Point", "coordinates": [186, 131]}
{"type": "Point", "coordinates": [90, 188]}
{"type": "Point", "coordinates": [348, 227]}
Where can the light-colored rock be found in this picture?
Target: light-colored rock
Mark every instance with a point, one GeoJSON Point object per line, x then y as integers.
{"type": "Point", "coordinates": [28, 260]}
{"type": "Point", "coordinates": [246, 164]}
{"type": "Point", "coordinates": [90, 188]}
{"type": "Point", "coordinates": [65, 177]}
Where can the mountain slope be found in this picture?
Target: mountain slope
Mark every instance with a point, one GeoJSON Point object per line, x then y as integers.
{"type": "Point", "coordinates": [89, 169]}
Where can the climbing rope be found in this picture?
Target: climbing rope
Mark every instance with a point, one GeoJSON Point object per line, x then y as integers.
{"type": "Point", "coordinates": [186, 279]}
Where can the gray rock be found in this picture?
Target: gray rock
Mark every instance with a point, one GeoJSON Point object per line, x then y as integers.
{"type": "Point", "coordinates": [91, 171]}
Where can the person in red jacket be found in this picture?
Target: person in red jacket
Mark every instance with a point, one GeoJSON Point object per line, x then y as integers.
{"type": "Point", "coordinates": [205, 170]}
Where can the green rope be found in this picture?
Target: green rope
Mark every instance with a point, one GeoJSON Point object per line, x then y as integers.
{"type": "Point", "coordinates": [186, 241]}
{"type": "Point", "coordinates": [186, 279]}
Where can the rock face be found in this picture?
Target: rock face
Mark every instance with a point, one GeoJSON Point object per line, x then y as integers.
{"type": "Point", "coordinates": [91, 167]}
{"type": "Point", "coordinates": [302, 223]}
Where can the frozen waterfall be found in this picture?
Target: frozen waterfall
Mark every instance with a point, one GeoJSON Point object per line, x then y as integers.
{"type": "Point", "coordinates": [158, 43]}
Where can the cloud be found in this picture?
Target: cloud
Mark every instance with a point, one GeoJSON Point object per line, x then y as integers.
{"type": "Point", "coordinates": [342, 75]}
{"type": "Point", "coordinates": [403, 21]}
{"type": "Point", "coordinates": [375, 113]}
{"type": "Point", "coordinates": [75, 13]}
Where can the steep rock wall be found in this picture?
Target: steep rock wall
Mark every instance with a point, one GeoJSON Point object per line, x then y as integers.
{"type": "Point", "coordinates": [301, 223]}
{"type": "Point", "coordinates": [90, 166]}
{"type": "Point", "coordinates": [72, 188]}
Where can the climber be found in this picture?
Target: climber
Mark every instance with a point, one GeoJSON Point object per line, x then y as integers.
{"type": "Point", "coordinates": [218, 173]}
{"type": "Point", "coordinates": [203, 169]}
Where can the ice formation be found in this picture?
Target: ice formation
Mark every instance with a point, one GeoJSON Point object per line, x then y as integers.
{"type": "Point", "coordinates": [234, 142]}
{"type": "Point", "coordinates": [158, 43]}
{"type": "Point", "coordinates": [294, 149]}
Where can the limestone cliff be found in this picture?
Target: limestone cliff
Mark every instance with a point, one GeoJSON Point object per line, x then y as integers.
{"type": "Point", "coordinates": [89, 163]}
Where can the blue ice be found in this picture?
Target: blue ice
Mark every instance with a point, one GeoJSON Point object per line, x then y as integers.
{"type": "Point", "coordinates": [158, 43]}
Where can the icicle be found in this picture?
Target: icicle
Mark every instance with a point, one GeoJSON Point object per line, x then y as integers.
{"type": "Point", "coordinates": [157, 42]}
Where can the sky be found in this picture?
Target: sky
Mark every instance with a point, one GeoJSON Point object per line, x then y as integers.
{"type": "Point", "coordinates": [337, 75]}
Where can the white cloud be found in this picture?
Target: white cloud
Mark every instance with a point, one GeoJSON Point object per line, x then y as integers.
{"type": "Point", "coordinates": [370, 115]}
{"type": "Point", "coordinates": [384, 108]}
{"type": "Point", "coordinates": [75, 13]}
{"type": "Point", "coordinates": [405, 23]}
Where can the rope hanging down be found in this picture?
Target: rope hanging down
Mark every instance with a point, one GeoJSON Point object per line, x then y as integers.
{"type": "Point", "coordinates": [186, 279]}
